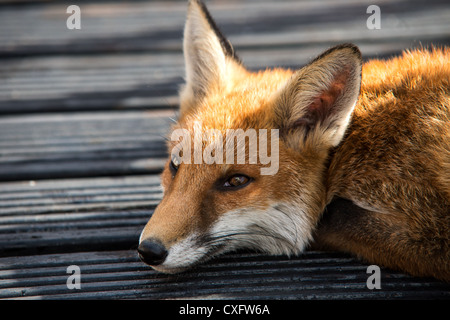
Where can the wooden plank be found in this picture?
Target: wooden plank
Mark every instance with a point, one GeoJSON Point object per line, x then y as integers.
{"type": "Point", "coordinates": [76, 214]}
{"type": "Point", "coordinates": [120, 275]}
{"type": "Point", "coordinates": [90, 83]}
{"type": "Point", "coordinates": [103, 87]}
{"type": "Point", "coordinates": [157, 26]}
{"type": "Point", "coordinates": [58, 187]}
{"type": "Point", "coordinates": [146, 68]}
{"type": "Point", "coordinates": [84, 144]}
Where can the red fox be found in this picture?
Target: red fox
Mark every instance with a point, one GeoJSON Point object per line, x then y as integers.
{"type": "Point", "coordinates": [363, 154]}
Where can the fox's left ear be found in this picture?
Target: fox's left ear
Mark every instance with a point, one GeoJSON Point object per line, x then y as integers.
{"type": "Point", "coordinates": [209, 56]}
{"type": "Point", "coordinates": [317, 102]}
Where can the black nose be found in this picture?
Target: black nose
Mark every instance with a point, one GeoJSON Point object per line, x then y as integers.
{"type": "Point", "coordinates": [152, 252]}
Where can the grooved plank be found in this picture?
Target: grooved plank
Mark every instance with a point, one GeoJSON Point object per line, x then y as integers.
{"type": "Point", "coordinates": [119, 274]}
{"type": "Point", "coordinates": [157, 26]}
{"type": "Point", "coordinates": [58, 215]}
{"type": "Point", "coordinates": [77, 145]}
{"type": "Point", "coordinates": [146, 69]}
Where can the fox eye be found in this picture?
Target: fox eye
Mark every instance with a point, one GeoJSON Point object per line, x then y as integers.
{"type": "Point", "coordinates": [236, 181]}
{"type": "Point", "coordinates": [174, 164]}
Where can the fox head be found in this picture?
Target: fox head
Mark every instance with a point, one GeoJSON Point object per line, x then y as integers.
{"type": "Point", "coordinates": [210, 207]}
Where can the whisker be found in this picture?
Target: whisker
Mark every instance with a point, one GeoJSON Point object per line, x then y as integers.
{"type": "Point", "coordinates": [220, 239]}
{"type": "Point", "coordinates": [268, 233]}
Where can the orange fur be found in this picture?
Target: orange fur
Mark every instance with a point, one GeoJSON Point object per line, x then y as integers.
{"type": "Point", "coordinates": [395, 161]}
{"type": "Point", "coordinates": [389, 155]}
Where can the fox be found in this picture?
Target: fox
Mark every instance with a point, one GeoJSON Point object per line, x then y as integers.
{"type": "Point", "coordinates": [363, 155]}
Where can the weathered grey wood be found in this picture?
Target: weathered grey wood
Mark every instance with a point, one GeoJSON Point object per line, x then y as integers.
{"type": "Point", "coordinates": [146, 68]}
{"type": "Point", "coordinates": [78, 185]}
{"type": "Point", "coordinates": [83, 144]}
{"type": "Point", "coordinates": [59, 215]}
{"type": "Point", "coordinates": [154, 26]}
{"type": "Point", "coordinates": [119, 274]}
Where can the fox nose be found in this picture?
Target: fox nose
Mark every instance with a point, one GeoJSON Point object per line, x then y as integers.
{"type": "Point", "coordinates": [152, 252]}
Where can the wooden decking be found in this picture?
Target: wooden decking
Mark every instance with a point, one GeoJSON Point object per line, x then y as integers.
{"type": "Point", "coordinates": [83, 115]}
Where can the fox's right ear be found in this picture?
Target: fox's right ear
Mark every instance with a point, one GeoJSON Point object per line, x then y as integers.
{"type": "Point", "coordinates": [208, 55]}
{"type": "Point", "coordinates": [316, 104]}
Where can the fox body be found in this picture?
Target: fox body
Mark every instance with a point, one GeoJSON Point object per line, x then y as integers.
{"type": "Point", "coordinates": [370, 141]}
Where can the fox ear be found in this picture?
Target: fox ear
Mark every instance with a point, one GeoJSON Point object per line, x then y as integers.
{"type": "Point", "coordinates": [207, 54]}
{"type": "Point", "coordinates": [317, 102]}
